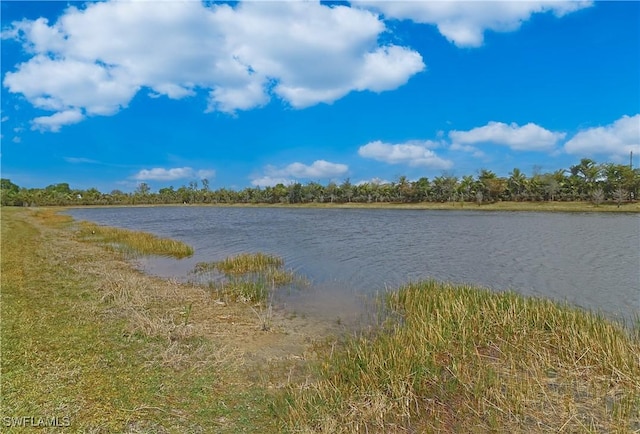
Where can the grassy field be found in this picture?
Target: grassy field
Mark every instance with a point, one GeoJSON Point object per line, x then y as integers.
{"type": "Point", "coordinates": [90, 341]}
{"type": "Point", "coordinates": [103, 348]}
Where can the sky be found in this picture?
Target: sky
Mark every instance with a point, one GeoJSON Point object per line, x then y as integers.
{"type": "Point", "coordinates": [250, 94]}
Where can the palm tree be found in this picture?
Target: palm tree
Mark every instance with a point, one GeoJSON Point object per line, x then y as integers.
{"type": "Point", "coordinates": [405, 189]}
{"type": "Point", "coordinates": [587, 174]}
{"type": "Point", "coordinates": [493, 187]}
{"type": "Point", "coordinates": [516, 184]}
{"type": "Point", "coordinates": [466, 188]}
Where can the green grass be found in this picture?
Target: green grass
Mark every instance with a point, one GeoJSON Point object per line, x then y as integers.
{"type": "Point", "coordinates": [85, 337]}
{"type": "Point", "coordinates": [134, 242]}
{"type": "Point", "coordinates": [250, 277]}
{"type": "Point", "coordinates": [542, 206]}
{"type": "Point", "coordinates": [243, 263]}
{"type": "Point", "coordinates": [462, 359]}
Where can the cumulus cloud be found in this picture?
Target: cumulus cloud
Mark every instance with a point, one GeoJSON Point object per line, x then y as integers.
{"type": "Point", "coordinates": [468, 149]}
{"type": "Point", "coordinates": [57, 120]}
{"type": "Point", "coordinates": [464, 23]}
{"type": "Point", "coordinates": [161, 174]}
{"type": "Point", "coordinates": [94, 60]}
{"type": "Point", "coordinates": [529, 137]}
{"type": "Point", "coordinates": [615, 140]}
{"type": "Point", "coordinates": [411, 153]}
{"type": "Point", "coordinates": [319, 169]}
{"type": "Point", "coordinates": [270, 181]}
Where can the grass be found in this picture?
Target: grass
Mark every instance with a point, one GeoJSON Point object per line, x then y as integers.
{"type": "Point", "coordinates": [537, 206]}
{"type": "Point", "coordinates": [250, 277]}
{"type": "Point", "coordinates": [242, 264]}
{"type": "Point", "coordinates": [83, 336]}
{"type": "Point", "coordinates": [134, 242]}
{"type": "Point", "coordinates": [542, 206]}
{"type": "Point", "coordinates": [463, 359]}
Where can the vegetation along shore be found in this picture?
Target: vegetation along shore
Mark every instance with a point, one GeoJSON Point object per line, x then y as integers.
{"type": "Point", "coordinates": [588, 183]}
{"type": "Point", "coordinates": [92, 344]}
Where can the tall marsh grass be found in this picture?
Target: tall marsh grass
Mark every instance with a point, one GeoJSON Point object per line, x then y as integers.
{"type": "Point", "coordinates": [250, 277]}
{"type": "Point", "coordinates": [134, 242]}
{"type": "Point", "coordinates": [463, 359]}
{"type": "Point", "coordinates": [242, 264]}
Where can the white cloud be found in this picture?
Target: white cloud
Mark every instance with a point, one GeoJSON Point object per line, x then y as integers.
{"type": "Point", "coordinates": [411, 153]}
{"type": "Point", "coordinates": [206, 173]}
{"type": "Point", "coordinates": [616, 139]}
{"type": "Point", "coordinates": [57, 120]}
{"type": "Point", "coordinates": [94, 60]}
{"type": "Point", "coordinates": [66, 84]}
{"type": "Point", "coordinates": [468, 149]}
{"type": "Point", "coordinates": [374, 181]}
{"type": "Point", "coordinates": [161, 174]}
{"type": "Point", "coordinates": [319, 169]}
{"type": "Point", "coordinates": [270, 181]}
{"type": "Point", "coordinates": [5, 118]}
{"type": "Point", "coordinates": [529, 137]}
{"type": "Point", "coordinates": [464, 23]}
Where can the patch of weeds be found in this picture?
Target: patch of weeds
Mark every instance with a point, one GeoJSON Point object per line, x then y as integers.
{"type": "Point", "coordinates": [249, 277]}
{"type": "Point", "coordinates": [464, 359]}
{"type": "Point", "coordinates": [133, 242]}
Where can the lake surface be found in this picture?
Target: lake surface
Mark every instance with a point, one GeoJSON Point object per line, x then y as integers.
{"type": "Point", "coordinates": [590, 260]}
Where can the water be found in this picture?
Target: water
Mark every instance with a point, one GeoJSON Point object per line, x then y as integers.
{"type": "Point", "coordinates": [589, 260]}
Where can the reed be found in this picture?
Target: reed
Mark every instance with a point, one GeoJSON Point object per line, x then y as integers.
{"type": "Point", "coordinates": [462, 359]}
{"type": "Point", "coordinates": [247, 263]}
{"type": "Point", "coordinates": [250, 277]}
{"type": "Point", "coordinates": [134, 242]}
{"type": "Point", "coordinates": [248, 291]}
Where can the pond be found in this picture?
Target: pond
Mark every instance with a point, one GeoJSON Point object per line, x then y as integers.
{"type": "Point", "coordinates": [591, 260]}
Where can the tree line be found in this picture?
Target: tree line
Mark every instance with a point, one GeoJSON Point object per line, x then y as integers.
{"type": "Point", "coordinates": [586, 181]}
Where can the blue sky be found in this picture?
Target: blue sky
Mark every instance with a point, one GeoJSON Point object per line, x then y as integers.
{"type": "Point", "coordinates": [112, 94]}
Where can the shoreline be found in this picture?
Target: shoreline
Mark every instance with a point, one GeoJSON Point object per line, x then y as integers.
{"type": "Point", "coordinates": [541, 207]}
{"type": "Point", "coordinates": [126, 351]}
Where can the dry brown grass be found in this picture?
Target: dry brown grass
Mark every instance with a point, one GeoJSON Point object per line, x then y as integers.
{"type": "Point", "coordinates": [85, 335]}
{"type": "Point", "coordinates": [463, 359]}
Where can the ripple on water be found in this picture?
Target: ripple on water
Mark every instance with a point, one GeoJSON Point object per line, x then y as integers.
{"type": "Point", "coordinates": [590, 260]}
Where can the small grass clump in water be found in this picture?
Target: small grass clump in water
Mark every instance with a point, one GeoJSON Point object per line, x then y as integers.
{"type": "Point", "coordinates": [138, 243]}
{"type": "Point", "coordinates": [251, 277]}
{"type": "Point", "coordinates": [462, 359]}
{"type": "Point", "coordinates": [243, 263]}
